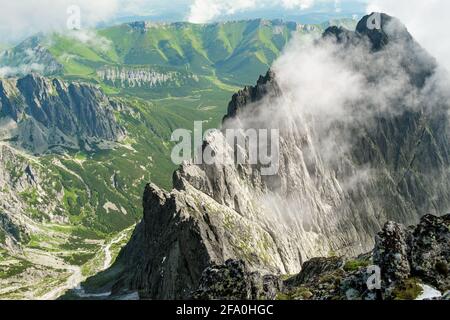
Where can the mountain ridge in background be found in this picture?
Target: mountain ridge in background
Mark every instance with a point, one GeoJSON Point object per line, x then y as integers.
{"type": "Point", "coordinates": [225, 47]}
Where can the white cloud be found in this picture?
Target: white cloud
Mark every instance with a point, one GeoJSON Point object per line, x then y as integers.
{"type": "Point", "coordinates": [22, 18]}
{"type": "Point", "coordinates": [19, 19]}
{"type": "Point", "coordinates": [21, 69]}
{"type": "Point", "coordinates": [302, 4]}
{"type": "Point", "coordinates": [205, 10]}
{"type": "Point", "coordinates": [202, 11]}
{"type": "Point", "coordinates": [91, 38]}
{"type": "Point", "coordinates": [427, 21]}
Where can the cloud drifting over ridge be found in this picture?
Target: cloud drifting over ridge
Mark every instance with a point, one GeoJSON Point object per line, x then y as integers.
{"type": "Point", "coordinates": [427, 21]}
{"type": "Point", "coordinates": [19, 18]}
{"type": "Point", "coordinates": [336, 93]}
{"type": "Point", "coordinates": [331, 99]}
{"type": "Point", "coordinates": [22, 18]}
{"type": "Point", "coordinates": [202, 11]}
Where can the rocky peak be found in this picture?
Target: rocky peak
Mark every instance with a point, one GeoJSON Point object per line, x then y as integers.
{"type": "Point", "coordinates": [381, 28]}
{"type": "Point", "coordinates": [6, 107]}
{"type": "Point", "coordinates": [266, 86]}
{"type": "Point", "coordinates": [33, 84]}
{"type": "Point", "coordinates": [341, 34]}
{"type": "Point", "coordinates": [54, 113]}
{"type": "Point", "coordinates": [429, 250]}
{"type": "Point", "coordinates": [421, 251]}
{"type": "Point", "coordinates": [391, 252]}
{"type": "Point", "coordinates": [386, 35]}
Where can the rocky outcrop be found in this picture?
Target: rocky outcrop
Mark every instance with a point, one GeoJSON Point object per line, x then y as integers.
{"type": "Point", "coordinates": [181, 246]}
{"type": "Point", "coordinates": [28, 195]}
{"type": "Point", "coordinates": [51, 114]}
{"type": "Point", "coordinates": [337, 278]}
{"type": "Point", "coordinates": [429, 251]}
{"type": "Point", "coordinates": [338, 181]}
{"type": "Point", "coordinates": [422, 251]}
{"type": "Point", "coordinates": [266, 86]}
{"type": "Point", "coordinates": [391, 252]}
{"type": "Point", "coordinates": [408, 258]}
{"type": "Point", "coordinates": [233, 281]}
{"type": "Point", "coordinates": [145, 77]}
{"type": "Point", "coordinates": [314, 268]}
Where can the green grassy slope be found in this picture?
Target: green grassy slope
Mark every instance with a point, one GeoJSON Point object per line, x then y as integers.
{"type": "Point", "coordinates": [189, 72]}
{"type": "Point", "coordinates": [233, 52]}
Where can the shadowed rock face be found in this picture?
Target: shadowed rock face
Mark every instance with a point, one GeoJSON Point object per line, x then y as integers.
{"type": "Point", "coordinates": [392, 36]}
{"type": "Point", "coordinates": [391, 30]}
{"type": "Point", "coordinates": [266, 86]}
{"type": "Point", "coordinates": [311, 207]}
{"type": "Point", "coordinates": [233, 281]}
{"type": "Point", "coordinates": [429, 251]}
{"type": "Point", "coordinates": [52, 114]}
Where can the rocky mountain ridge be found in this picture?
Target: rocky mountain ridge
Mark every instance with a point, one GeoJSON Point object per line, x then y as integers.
{"type": "Point", "coordinates": [41, 114]}
{"type": "Point", "coordinates": [395, 169]}
{"type": "Point", "coordinates": [58, 203]}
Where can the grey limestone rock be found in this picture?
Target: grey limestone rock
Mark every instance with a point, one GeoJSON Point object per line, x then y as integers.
{"type": "Point", "coordinates": [50, 114]}
{"type": "Point", "coordinates": [316, 205]}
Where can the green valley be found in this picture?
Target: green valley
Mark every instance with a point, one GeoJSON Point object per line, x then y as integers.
{"type": "Point", "coordinates": [71, 204]}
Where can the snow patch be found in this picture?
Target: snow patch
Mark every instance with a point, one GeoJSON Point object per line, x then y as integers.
{"type": "Point", "coordinates": [428, 293]}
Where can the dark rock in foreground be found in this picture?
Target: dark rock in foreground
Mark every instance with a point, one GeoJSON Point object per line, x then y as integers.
{"type": "Point", "coordinates": [234, 281]}
{"type": "Point", "coordinates": [408, 259]}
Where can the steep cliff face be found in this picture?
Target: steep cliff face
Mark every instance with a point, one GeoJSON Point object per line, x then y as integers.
{"type": "Point", "coordinates": [145, 77]}
{"type": "Point", "coordinates": [50, 199]}
{"type": "Point", "coordinates": [41, 114]}
{"type": "Point", "coordinates": [28, 195]}
{"type": "Point", "coordinates": [345, 168]}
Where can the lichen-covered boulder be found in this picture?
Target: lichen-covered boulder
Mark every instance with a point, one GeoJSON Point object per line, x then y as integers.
{"type": "Point", "coordinates": [430, 251]}
{"type": "Point", "coordinates": [391, 253]}
{"type": "Point", "coordinates": [316, 267]}
{"type": "Point", "coordinates": [233, 281]}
